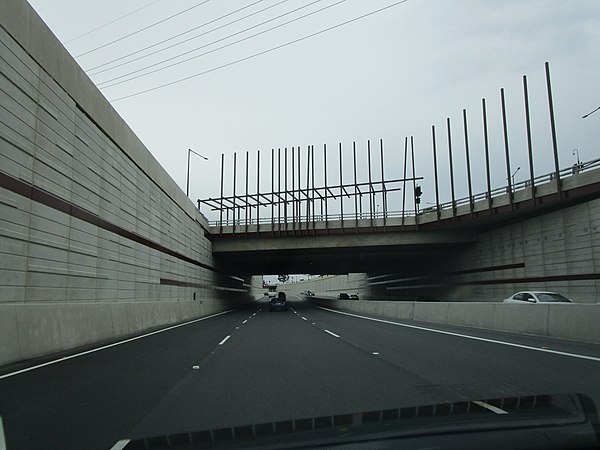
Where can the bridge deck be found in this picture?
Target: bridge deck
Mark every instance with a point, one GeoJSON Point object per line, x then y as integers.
{"type": "Point", "coordinates": [481, 212]}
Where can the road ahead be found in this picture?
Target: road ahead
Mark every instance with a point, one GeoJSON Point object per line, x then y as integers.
{"type": "Point", "coordinates": [251, 366]}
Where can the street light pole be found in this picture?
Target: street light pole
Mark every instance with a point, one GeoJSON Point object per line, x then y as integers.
{"type": "Point", "coordinates": [590, 113]}
{"type": "Point", "coordinates": [187, 184]}
{"type": "Point", "coordinates": [576, 151]}
{"type": "Point", "coordinates": [513, 176]}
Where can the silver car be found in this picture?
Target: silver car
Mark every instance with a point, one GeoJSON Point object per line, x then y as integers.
{"type": "Point", "coordinates": [537, 297]}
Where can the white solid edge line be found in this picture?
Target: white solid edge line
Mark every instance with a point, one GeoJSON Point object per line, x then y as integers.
{"type": "Point", "coordinates": [333, 334]}
{"type": "Point", "coordinates": [490, 407]}
{"type": "Point", "coordinates": [224, 339]}
{"type": "Point", "coordinates": [466, 336]}
{"type": "Point", "coordinates": [121, 444]}
{"type": "Point", "coordinates": [2, 440]}
{"type": "Point", "coordinates": [114, 344]}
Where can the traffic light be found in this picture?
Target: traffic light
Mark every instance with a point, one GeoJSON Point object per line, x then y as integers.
{"type": "Point", "coordinates": [418, 193]}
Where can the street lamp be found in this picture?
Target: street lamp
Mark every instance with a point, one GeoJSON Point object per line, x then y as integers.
{"type": "Point", "coordinates": [576, 151]}
{"type": "Point", "coordinates": [187, 184]}
{"type": "Point", "coordinates": [590, 113]}
{"type": "Point", "coordinates": [513, 176]}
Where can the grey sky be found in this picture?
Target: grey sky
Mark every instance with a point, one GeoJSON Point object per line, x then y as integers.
{"type": "Point", "coordinates": [387, 76]}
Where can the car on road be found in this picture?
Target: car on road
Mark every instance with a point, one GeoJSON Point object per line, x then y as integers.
{"type": "Point", "coordinates": [278, 303]}
{"type": "Point", "coordinates": [354, 296]}
{"type": "Point", "coordinates": [272, 294]}
{"type": "Point", "coordinates": [537, 297]}
{"type": "Point", "coordinates": [343, 296]}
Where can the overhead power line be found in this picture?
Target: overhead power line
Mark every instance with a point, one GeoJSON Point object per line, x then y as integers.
{"type": "Point", "coordinates": [111, 22]}
{"type": "Point", "coordinates": [179, 35]}
{"type": "Point", "coordinates": [142, 29]}
{"type": "Point", "coordinates": [255, 55]}
{"type": "Point", "coordinates": [106, 84]}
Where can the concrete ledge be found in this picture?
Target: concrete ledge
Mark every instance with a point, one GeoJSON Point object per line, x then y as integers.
{"type": "Point", "coordinates": [577, 322]}
{"type": "Point", "coordinates": [32, 330]}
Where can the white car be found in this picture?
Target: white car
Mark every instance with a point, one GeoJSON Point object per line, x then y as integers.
{"type": "Point", "coordinates": [537, 297]}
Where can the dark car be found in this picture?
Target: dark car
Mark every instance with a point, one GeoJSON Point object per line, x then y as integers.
{"type": "Point", "coordinates": [278, 303]}
{"type": "Point", "coordinates": [343, 296]}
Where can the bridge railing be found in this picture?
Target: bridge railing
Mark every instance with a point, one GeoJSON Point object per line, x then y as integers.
{"type": "Point", "coordinates": [390, 214]}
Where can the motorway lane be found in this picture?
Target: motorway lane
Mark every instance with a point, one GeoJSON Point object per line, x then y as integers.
{"type": "Point", "coordinates": [254, 366]}
{"type": "Point", "coordinates": [456, 366]}
{"type": "Point", "coordinates": [89, 401]}
{"type": "Point", "coordinates": [278, 367]}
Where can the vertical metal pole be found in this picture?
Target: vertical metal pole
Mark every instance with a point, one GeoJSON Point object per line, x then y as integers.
{"type": "Point", "coordinates": [258, 192]}
{"type": "Point", "coordinates": [308, 191]}
{"type": "Point", "coordinates": [529, 145]}
{"type": "Point", "coordinates": [412, 151]}
{"type": "Point", "coordinates": [506, 153]}
{"type": "Point", "coordinates": [370, 183]}
{"type": "Point", "coordinates": [234, 208]}
{"type": "Point", "coordinates": [312, 150]}
{"type": "Point", "coordinates": [384, 192]}
{"type": "Point", "coordinates": [273, 190]}
{"type": "Point", "coordinates": [487, 153]}
{"type": "Point", "coordinates": [187, 180]}
{"type": "Point", "coordinates": [468, 160]}
{"type": "Point", "coordinates": [341, 191]}
{"type": "Point", "coordinates": [299, 214]}
{"type": "Point", "coordinates": [279, 190]}
{"type": "Point", "coordinates": [356, 194]}
{"type": "Point", "coordinates": [553, 127]}
{"type": "Point", "coordinates": [326, 191]}
{"type": "Point", "coordinates": [404, 179]}
{"type": "Point", "coordinates": [293, 191]}
{"type": "Point", "coordinates": [285, 195]}
{"type": "Point", "coordinates": [435, 173]}
{"type": "Point", "coordinates": [451, 166]}
{"type": "Point", "coordinates": [247, 208]}
{"type": "Point", "coordinates": [221, 207]}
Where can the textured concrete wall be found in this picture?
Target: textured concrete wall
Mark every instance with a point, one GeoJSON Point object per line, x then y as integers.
{"type": "Point", "coordinates": [330, 286]}
{"type": "Point", "coordinates": [565, 321]}
{"type": "Point", "coordinates": [96, 240]}
{"type": "Point", "coordinates": [557, 251]}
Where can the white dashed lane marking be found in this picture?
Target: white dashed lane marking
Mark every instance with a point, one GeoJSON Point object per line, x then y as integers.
{"type": "Point", "coordinates": [245, 321]}
{"type": "Point", "coordinates": [224, 340]}
{"type": "Point", "coordinates": [333, 334]}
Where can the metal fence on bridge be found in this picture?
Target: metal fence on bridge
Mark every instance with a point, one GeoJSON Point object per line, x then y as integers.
{"type": "Point", "coordinates": [294, 199]}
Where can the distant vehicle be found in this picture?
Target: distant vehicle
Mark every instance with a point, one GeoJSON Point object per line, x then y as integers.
{"type": "Point", "coordinates": [353, 296]}
{"type": "Point", "coordinates": [343, 296]}
{"type": "Point", "coordinates": [308, 293]}
{"type": "Point", "coordinates": [278, 303]}
{"type": "Point", "coordinates": [537, 297]}
{"type": "Point", "coordinates": [272, 294]}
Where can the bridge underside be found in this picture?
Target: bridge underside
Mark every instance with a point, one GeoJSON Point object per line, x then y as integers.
{"type": "Point", "coordinates": [339, 254]}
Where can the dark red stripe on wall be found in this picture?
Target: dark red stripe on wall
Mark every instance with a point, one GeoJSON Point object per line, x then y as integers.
{"type": "Point", "coordinates": [38, 195]}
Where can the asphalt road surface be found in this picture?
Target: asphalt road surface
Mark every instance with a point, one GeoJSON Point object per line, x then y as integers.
{"type": "Point", "coordinates": [251, 366]}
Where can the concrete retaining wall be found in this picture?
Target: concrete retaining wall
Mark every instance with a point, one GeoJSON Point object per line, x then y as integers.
{"type": "Point", "coordinates": [96, 240]}
{"type": "Point", "coordinates": [577, 322]}
{"type": "Point", "coordinates": [330, 285]}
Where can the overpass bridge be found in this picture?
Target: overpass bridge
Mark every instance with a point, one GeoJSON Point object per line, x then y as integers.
{"type": "Point", "coordinates": [374, 241]}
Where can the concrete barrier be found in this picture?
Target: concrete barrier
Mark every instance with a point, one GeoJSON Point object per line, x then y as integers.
{"type": "Point", "coordinates": [35, 330]}
{"type": "Point", "coordinates": [577, 322]}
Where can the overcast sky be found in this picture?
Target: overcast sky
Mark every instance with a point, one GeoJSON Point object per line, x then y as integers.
{"type": "Point", "coordinates": [389, 75]}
